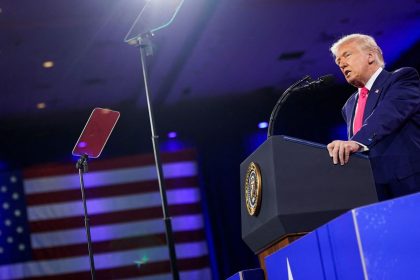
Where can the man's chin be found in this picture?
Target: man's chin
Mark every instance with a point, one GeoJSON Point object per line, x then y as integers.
{"type": "Point", "coordinates": [353, 82]}
{"type": "Point", "coordinates": [350, 81]}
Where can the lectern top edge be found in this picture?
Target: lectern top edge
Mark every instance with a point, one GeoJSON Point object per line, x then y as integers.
{"type": "Point", "coordinates": [312, 144]}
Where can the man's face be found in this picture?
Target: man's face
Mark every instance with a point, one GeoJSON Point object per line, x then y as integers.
{"type": "Point", "coordinates": [354, 63]}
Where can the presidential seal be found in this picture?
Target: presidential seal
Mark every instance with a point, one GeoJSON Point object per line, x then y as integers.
{"type": "Point", "coordinates": [253, 181]}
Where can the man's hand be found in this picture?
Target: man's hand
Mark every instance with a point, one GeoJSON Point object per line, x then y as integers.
{"type": "Point", "coordinates": [341, 150]}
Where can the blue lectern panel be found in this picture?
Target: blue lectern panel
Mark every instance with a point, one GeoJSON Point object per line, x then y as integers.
{"type": "Point", "coordinates": [301, 260]}
{"type": "Point", "coordinates": [326, 252]}
{"type": "Point", "coordinates": [250, 274]}
{"type": "Point", "coordinates": [379, 241]}
{"type": "Point", "coordinates": [339, 249]}
{"type": "Point", "coordinates": [390, 238]}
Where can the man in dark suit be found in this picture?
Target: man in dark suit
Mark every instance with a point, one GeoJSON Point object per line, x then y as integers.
{"type": "Point", "coordinates": [383, 116]}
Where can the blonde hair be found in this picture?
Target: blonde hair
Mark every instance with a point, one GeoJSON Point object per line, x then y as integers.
{"type": "Point", "coordinates": [366, 43]}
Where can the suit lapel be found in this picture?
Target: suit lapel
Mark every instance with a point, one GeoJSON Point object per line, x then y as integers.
{"type": "Point", "coordinates": [375, 93]}
{"type": "Point", "coordinates": [350, 113]}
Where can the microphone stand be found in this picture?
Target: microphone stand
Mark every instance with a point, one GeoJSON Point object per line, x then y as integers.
{"type": "Point", "coordinates": [145, 46]}
{"type": "Point", "coordinates": [280, 103]}
{"type": "Point", "coordinates": [82, 166]}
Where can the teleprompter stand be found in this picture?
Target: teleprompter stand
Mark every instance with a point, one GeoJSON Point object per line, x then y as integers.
{"type": "Point", "coordinates": [82, 166]}
{"type": "Point", "coordinates": [144, 44]}
{"type": "Point", "coordinates": [90, 144]}
{"type": "Point", "coordinates": [154, 16]}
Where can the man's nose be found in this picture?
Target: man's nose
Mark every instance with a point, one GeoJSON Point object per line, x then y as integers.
{"type": "Point", "coordinates": [342, 64]}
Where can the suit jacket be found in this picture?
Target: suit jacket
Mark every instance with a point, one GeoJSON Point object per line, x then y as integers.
{"type": "Point", "coordinates": [391, 125]}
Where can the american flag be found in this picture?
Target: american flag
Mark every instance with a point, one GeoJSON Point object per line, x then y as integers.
{"type": "Point", "coordinates": [42, 233]}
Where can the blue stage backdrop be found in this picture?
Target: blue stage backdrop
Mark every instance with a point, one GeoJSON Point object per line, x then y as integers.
{"type": "Point", "coordinates": [42, 226]}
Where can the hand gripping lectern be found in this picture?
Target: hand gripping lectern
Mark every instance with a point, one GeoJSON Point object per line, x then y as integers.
{"type": "Point", "coordinates": [290, 186]}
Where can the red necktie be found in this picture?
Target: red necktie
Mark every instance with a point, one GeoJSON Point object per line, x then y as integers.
{"type": "Point", "coordinates": [361, 103]}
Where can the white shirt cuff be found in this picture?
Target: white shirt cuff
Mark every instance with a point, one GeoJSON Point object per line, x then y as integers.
{"type": "Point", "coordinates": [363, 148]}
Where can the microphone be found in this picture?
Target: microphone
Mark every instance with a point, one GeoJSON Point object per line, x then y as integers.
{"type": "Point", "coordinates": [321, 81]}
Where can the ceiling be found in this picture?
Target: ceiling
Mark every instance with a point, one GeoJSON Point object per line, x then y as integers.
{"type": "Point", "coordinates": [213, 48]}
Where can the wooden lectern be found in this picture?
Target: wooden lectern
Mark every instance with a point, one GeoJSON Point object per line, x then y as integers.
{"type": "Point", "coordinates": [290, 187]}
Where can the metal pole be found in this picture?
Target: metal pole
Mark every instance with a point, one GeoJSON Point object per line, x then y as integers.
{"type": "Point", "coordinates": [145, 49]}
{"type": "Point", "coordinates": [82, 166]}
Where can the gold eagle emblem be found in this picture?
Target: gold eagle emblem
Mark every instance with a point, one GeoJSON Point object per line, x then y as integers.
{"type": "Point", "coordinates": [253, 189]}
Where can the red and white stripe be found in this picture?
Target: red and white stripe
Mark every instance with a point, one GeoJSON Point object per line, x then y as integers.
{"type": "Point", "coordinates": [125, 216]}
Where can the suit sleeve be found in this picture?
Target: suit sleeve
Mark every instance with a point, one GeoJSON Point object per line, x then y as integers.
{"type": "Point", "coordinates": [348, 106]}
{"type": "Point", "coordinates": [401, 101]}
{"type": "Point", "coordinates": [343, 114]}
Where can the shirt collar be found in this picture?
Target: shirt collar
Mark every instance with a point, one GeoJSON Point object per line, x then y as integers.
{"type": "Point", "coordinates": [372, 79]}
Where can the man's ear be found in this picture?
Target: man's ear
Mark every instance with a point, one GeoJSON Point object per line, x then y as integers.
{"type": "Point", "coordinates": [371, 57]}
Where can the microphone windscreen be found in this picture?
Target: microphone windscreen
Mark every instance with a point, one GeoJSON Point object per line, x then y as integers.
{"type": "Point", "coordinates": [327, 79]}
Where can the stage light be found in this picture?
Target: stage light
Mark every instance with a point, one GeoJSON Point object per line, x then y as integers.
{"type": "Point", "coordinates": [263, 125]}
{"type": "Point", "coordinates": [48, 64]}
{"type": "Point", "coordinates": [41, 105]}
{"type": "Point", "coordinates": [172, 135]}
